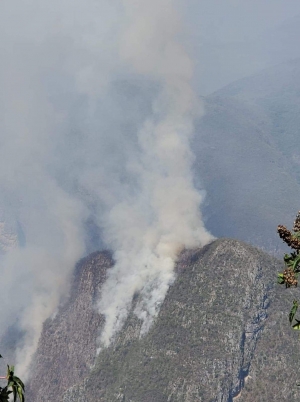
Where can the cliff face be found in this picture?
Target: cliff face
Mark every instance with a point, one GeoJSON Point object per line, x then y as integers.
{"type": "Point", "coordinates": [216, 335]}
{"type": "Point", "coordinates": [67, 346]}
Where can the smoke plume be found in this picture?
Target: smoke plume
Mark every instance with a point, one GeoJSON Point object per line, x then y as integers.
{"type": "Point", "coordinates": [148, 228]}
{"type": "Point", "coordinates": [97, 114]}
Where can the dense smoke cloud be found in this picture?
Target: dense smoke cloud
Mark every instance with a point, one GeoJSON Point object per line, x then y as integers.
{"type": "Point", "coordinates": [96, 116]}
{"type": "Point", "coordinates": [151, 226]}
{"type": "Point", "coordinates": [49, 69]}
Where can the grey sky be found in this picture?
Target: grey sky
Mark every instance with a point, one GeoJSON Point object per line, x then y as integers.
{"type": "Point", "coordinates": [235, 20]}
{"type": "Point", "coordinates": [230, 39]}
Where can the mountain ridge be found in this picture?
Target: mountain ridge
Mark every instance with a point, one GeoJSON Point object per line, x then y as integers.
{"type": "Point", "coordinates": [200, 347]}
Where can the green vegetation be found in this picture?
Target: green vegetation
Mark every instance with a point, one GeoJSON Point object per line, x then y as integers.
{"type": "Point", "coordinates": [14, 386]}
{"type": "Point", "coordinates": [290, 275]}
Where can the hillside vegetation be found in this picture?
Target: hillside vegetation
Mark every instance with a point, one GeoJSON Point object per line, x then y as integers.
{"type": "Point", "coordinates": [221, 332]}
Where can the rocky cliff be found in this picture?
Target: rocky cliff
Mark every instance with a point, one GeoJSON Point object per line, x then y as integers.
{"type": "Point", "coordinates": [222, 333]}
{"type": "Point", "coordinates": [67, 346]}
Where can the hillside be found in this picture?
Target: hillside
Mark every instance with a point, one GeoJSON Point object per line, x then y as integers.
{"type": "Point", "coordinates": [247, 156]}
{"type": "Point", "coordinates": [276, 92]}
{"type": "Point", "coordinates": [67, 345]}
{"type": "Point", "coordinates": [218, 326]}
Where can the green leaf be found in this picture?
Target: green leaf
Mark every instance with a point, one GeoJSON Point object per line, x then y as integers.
{"type": "Point", "coordinates": [14, 388]}
{"type": "Point", "coordinates": [280, 279]}
{"type": "Point", "coordinates": [288, 259]}
{"type": "Point", "coordinates": [15, 384]}
{"type": "Point", "coordinates": [20, 394]}
{"type": "Point", "coordinates": [293, 311]}
{"type": "Point", "coordinates": [296, 326]}
{"type": "Point", "coordinates": [296, 262]}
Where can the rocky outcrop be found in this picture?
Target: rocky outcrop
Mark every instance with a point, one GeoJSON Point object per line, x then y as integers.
{"type": "Point", "coordinates": [67, 347]}
{"type": "Point", "coordinates": [219, 329]}
{"type": "Point", "coordinates": [274, 371]}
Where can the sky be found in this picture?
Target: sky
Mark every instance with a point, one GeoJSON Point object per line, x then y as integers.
{"type": "Point", "coordinates": [229, 40]}
{"type": "Point", "coordinates": [237, 20]}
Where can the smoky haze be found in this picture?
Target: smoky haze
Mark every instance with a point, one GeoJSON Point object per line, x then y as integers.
{"type": "Point", "coordinates": [95, 127]}
{"type": "Point", "coordinates": [151, 226]}
{"type": "Point", "coordinates": [231, 39]}
{"type": "Point", "coordinates": [97, 106]}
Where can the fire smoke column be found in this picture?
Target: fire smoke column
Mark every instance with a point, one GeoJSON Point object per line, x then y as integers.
{"type": "Point", "coordinates": [161, 215]}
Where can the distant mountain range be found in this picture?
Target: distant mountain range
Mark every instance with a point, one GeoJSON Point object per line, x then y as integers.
{"type": "Point", "coordinates": [248, 156]}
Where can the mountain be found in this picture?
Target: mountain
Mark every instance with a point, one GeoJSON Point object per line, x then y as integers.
{"type": "Point", "coordinates": [248, 158]}
{"type": "Point", "coordinates": [276, 93]}
{"type": "Point", "coordinates": [222, 333]}
{"type": "Point", "coordinates": [67, 346]}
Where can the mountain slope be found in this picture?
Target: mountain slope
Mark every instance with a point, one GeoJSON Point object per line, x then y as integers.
{"type": "Point", "coordinates": [203, 340]}
{"type": "Point", "coordinates": [67, 346]}
{"type": "Point", "coordinates": [276, 92]}
{"type": "Point", "coordinates": [208, 338]}
{"type": "Point", "coordinates": [250, 185]}
{"type": "Point", "coordinates": [248, 158]}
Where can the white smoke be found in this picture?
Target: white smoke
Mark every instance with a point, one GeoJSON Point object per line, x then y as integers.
{"type": "Point", "coordinates": [96, 117]}
{"type": "Point", "coordinates": [46, 53]}
{"type": "Point", "coordinates": [149, 228]}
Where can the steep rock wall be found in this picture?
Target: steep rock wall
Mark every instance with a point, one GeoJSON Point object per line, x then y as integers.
{"type": "Point", "coordinates": [67, 347]}
{"type": "Point", "coordinates": [221, 336]}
